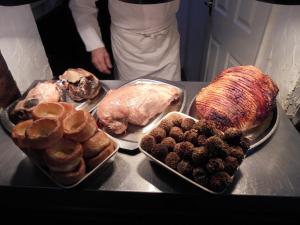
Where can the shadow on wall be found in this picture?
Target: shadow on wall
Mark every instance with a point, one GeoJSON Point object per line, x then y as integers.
{"type": "Point", "coordinates": [193, 24]}
{"type": "Point", "coordinates": [62, 42]}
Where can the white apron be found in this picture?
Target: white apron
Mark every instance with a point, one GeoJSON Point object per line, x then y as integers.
{"type": "Point", "coordinates": [149, 52]}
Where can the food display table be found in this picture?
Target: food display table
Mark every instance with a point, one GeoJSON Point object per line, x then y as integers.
{"type": "Point", "coordinates": [268, 181]}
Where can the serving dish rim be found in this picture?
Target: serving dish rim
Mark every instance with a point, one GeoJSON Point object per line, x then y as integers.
{"type": "Point", "coordinates": [174, 171]}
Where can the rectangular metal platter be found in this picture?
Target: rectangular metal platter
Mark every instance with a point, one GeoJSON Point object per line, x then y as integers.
{"type": "Point", "coordinates": [172, 170]}
{"type": "Point", "coordinates": [129, 140]}
{"type": "Point", "coordinates": [107, 161]}
{"type": "Point", "coordinates": [257, 135]}
{"type": "Point", "coordinates": [88, 105]}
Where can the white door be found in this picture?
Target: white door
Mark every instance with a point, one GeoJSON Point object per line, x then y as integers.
{"type": "Point", "coordinates": [237, 29]}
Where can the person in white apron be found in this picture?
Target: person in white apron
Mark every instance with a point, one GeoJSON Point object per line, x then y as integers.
{"type": "Point", "coordinates": [145, 38]}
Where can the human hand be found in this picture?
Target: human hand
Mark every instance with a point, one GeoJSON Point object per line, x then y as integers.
{"type": "Point", "coordinates": [101, 60]}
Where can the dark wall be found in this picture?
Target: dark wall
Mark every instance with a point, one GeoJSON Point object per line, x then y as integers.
{"type": "Point", "coordinates": [62, 42]}
{"type": "Point", "coordinates": [16, 2]}
{"type": "Point", "coordinates": [7, 83]}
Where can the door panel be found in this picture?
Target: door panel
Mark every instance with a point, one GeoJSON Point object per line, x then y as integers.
{"type": "Point", "coordinates": [237, 28]}
{"type": "Point", "coordinates": [213, 55]}
{"type": "Point", "coordinates": [230, 61]}
{"type": "Point", "coordinates": [245, 15]}
{"type": "Point", "coordinates": [222, 7]}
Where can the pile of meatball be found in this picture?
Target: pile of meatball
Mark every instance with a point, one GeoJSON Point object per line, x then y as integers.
{"type": "Point", "coordinates": [198, 150]}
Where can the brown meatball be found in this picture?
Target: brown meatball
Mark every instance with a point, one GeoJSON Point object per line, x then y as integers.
{"type": "Point", "coordinates": [201, 140]}
{"type": "Point", "coordinates": [176, 120]}
{"type": "Point", "coordinates": [166, 124]}
{"type": "Point", "coordinates": [245, 144]}
{"type": "Point", "coordinates": [200, 155]}
{"type": "Point", "coordinates": [159, 151]}
{"type": "Point", "coordinates": [176, 133]}
{"type": "Point", "coordinates": [230, 165]}
{"type": "Point", "coordinates": [184, 150]}
{"type": "Point", "coordinates": [169, 142]}
{"type": "Point", "coordinates": [219, 133]}
{"type": "Point", "coordinates": [200, 176]}
{"type": "Point", "coordinates": [205, 127]}
{"type": "Point", "coordinates": [172, 160]}
{"type": "Point", "coordinates": [216, 147]}
{"type": "Point", "coordinates": [185, 168]}
{"type": "Point", "coordinates": [158, 133]}
{"type": "Point", "coordinates": [237, 152]}
{"type": "Point", "coordinates": [187, 124]}
{"type": "Point", "coordinates": [177, 147]}
{"type": "Point", "coordinates": [191, 136]}
{"type": "Point", "coordinates": [233, 136]}
{"type": "Point", "coordinates": [219, 181]}
{"type": "Point", "coordinates": [215, 165]}
{"type": "Point", "coordinates": [147, 143]}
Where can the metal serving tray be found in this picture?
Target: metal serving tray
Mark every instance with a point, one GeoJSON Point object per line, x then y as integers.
{"type": "Point", "coordinates": [88, 105]}
{"type": "Point", "coordinates": [257, 135]}
{"type": "Point", "coordinates": [129, 140]}
{"type": "Point", "coordinates": [107, 161]}
{"type": "Point", "coordinates": [169, 168]}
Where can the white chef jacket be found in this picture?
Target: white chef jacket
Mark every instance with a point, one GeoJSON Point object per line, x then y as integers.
{"type": "Point", "coordinates": [145, 39]}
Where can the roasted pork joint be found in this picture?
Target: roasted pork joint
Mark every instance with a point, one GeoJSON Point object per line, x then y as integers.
{"type": "Point", "coordinates": [240, 97]}
{"type": "Point", "coordinates": [80, 84]}
{"type": "Point", "coordinates": [135, 104]}
{"type": "Point", "coordinates": [46, 91]}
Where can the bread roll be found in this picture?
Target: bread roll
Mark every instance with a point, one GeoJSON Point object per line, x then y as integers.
{"type": "Point", "coordinates": [44, 133]}
{"type": "Point", "coordinates": [79, 126]}
{"type": "Point", "coordinates": [72, 177]}
{"type": "Point", "coordinates": [95, 161]}
{"type": "Point", "coordinates": [18, 133]}
{"type": "Point", "coordinates": [64, 156]}
{"type": "Point", "coordinates": [49, 110]}
{"type": "Point", "coordinates": [95, 144]}
{"type": "Point", "coordinates": [69, 108]}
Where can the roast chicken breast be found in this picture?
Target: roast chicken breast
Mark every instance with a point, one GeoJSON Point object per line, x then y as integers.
{"type": "Point", "coordinates": [240, 97]}
{"type": "Point", "coordinates": [135, 104]}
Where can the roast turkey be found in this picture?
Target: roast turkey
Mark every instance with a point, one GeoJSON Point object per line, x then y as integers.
{"type": "Point", "coordinates": [135, 104]}
{"type": "Point", "coordinates": [240, 97]}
